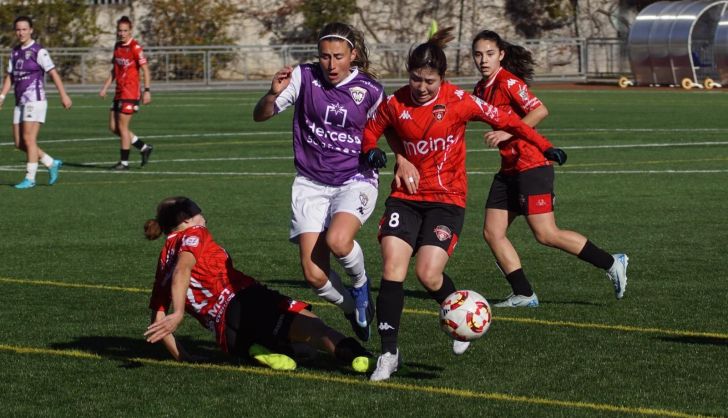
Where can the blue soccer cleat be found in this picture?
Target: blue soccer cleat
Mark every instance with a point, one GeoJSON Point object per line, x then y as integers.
{"type": "Point", "coordinates": [53, 171]}
{"type": "Point", "coordinates": [25, 184]}
{"type": "Point", "coordinates": [364, 311]}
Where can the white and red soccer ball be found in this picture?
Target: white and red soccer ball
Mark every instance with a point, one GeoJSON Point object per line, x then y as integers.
{"type": "Point", "coordinates": [465, 315]}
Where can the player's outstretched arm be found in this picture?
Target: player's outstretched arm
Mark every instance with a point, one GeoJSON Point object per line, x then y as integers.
{"type": "Point", "coordinates": [265, 108]}
{"type": "Point", "coordinates": [180, 283]}
{"type": "Point", "coordinates": [107, 83]}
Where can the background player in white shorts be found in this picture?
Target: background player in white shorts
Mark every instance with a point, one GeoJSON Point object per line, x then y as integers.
{"type": "Point", "coordinates": [28, 64]}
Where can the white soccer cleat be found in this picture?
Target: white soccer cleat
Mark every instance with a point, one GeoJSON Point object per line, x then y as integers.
{"type": "Point", "coordinates": [386, 365]}
{"type": "Point", "coordinates": [618, 274]}
{"type": "Point", "coordinates": [518, 301]}
{"type": "Point", "coordinates": [459, 347]}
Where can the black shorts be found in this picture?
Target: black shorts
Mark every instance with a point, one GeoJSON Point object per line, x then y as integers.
{"type": "Point", "coordinates": [528, 193]}
{"type": "Point", "coordinates": [127, 107]}
{"type": "Point", "coordinates": [258, 315]}
{"type": "Point", "coordinates": [422, 223]}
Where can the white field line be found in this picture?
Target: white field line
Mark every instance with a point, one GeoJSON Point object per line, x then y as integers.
{"type": "Point", "coordinates": [288, 133]}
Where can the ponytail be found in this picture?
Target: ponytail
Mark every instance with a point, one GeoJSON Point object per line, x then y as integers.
{"type": "Point", "coordinates": [431, 54]}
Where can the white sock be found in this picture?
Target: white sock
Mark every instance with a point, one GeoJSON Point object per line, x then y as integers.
{"type": "Point", "coordinates": [134, 139]}
{"type": "Point", "coordinates": [333, 291]}
{"type": "Point", "coordinates": [47, 160]}
{"type": "Point", "coordinates": [353, 264]}
{"type": "Point", "coordinates": [31, 169]}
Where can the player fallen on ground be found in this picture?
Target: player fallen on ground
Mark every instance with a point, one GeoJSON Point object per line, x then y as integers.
{"type": "Point", "coordinates": [525, 183]}
{"type": "Point", "coordinates": [196, 275]}
{"type": "Point", "coordinates": [424, 214]}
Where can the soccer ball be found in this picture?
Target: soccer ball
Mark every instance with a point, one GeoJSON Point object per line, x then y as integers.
{"type": "Point", "coordinates": [465, 315]}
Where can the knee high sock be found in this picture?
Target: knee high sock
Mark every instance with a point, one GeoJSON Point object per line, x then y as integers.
{"type": "Point", "coordinates": [519, 283]}
{"type": "Point", "coordinates": [333, 291]}
{"type": "Point", "coordinates": [390, 303]}
{"type": "Point", "coordinates": [353, 264]}
{"type": "Point", "coordinates": [596, 256]}
{"type": "Point", "coordinates": [444, 291]}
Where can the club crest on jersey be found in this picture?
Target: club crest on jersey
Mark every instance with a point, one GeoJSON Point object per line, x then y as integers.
{"type": "Point", "coordinates": [191, 241]}
{"type": "Point", "coordinates": [442, 232]}
{"type": "Point", "coordinates": [439, 111]}
{"type": "Point", "coordinates": [358, 94]}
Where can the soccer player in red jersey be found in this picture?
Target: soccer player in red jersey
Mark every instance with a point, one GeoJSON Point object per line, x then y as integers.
{"type": "Point", "coordinates": [196, 275]}
{"type": "Point", "coordinates": [425, 212]}
{"type": "Point", "coordinates": [128, 59]}
{"type": "Point", "coordinates": [525, 183]}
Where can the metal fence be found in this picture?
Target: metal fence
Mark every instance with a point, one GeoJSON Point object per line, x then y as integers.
{"type": "Point", "coordinates": [569, 59]}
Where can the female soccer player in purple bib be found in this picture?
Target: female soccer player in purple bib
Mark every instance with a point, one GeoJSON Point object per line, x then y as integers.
{"type": "Point", "coordinates": [333, 193]}
{"type": "Point", "coordinates": [28, 64]}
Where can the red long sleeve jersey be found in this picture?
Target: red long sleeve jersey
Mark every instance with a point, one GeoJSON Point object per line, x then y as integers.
{"type": "Point", "coordinates": [433, 138]}
{"type": "Point", "coordinates": [509, 93]}
{"type": "Point", "coordinates": [213, 284]}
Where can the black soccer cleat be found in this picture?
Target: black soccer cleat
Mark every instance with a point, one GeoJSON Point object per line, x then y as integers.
{"type": "Point", "coordinates": [146, 154]}
{"type": "Point", "coordinates": [119, 167]}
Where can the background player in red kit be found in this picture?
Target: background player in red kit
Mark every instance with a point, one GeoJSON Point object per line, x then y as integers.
{"type": "Point", "coordinates": [525, 183]}
{"type": "Point", "coordinates": [196, 275]}
{"type": "Point", "coordinates": [128, 59]}
{"type": "Point", "coordinates": [424, 213]}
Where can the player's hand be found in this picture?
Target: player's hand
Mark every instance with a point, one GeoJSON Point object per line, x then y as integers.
{"type": "Point", "coordinates": [66, 101]}
{"type": "Point", "coordinates": [166, 326]}
{"type": "Point", "coordinates": [281, 79]}
{"type": "Point", "coordinates": [375, 158]}
{"type": "Point", "coordinates": [102, 93]}
{"type": "Point", "coordinates": [556, 155]}
{"type": "Point", "coordinates": [493, 138]}
{"type": "Point", "coordinates": [147, 97]}
{"type": "Point", "coordinates": [406, 175]}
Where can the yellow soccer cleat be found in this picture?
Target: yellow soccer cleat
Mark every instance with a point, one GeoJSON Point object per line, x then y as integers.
{"type": "Point", "coordinates": [275, 361]}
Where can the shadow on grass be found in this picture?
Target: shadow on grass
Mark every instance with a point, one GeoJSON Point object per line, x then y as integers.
{"type": "Point", "coordinates": [125, 349]}
{"type": "Point", "coordinates": [697, 340]}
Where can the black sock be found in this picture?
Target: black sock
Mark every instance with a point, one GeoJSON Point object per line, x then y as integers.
{"type": "Point", "coordinates": [390, 303]}
{"type": "Point", "coordinates": [139, 144]}
{"type": "Point", "coordinates": [596, 256]}
{"type": "Point", "coordinates": [124, 154]}
{"type": "Point", "coordinates": [348, 349]}
{"type": "Point", "coordinates": [447, 288]}
{"type": "Point", "coordinates": [519, 283]}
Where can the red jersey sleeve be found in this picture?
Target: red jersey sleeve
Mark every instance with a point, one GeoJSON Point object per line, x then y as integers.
{"type": "Point", "coordinates": [506, 121]}
{"type": "Point", "coordinates": [139, 54]}
{"type": "Point", "coordinates": [194, 241]}
{"type": "Point", "coordinates": [521, 96]}
{"type": "Point", "coordinates": [376, 126]}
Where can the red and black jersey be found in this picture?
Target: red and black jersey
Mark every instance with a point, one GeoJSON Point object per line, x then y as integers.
{"type": "Point", "coordinates": [213, 283]}
{"type": "Point", "coordinates": [128, 57]}
{"type": "Point", "coordinates": [509, 93]}
{"type": "Point", "coordinates": [433, 137]}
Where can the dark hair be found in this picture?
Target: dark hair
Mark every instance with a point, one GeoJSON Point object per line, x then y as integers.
{"type": "Point", "coordinates": [353, 38]}
{"type": "Point", "coordinates": [431, 53]}
{"type": "Point", "coordinates": [124, 19]}
{"type": "Point", "coordinates": [171, 212]}
{"type": "Point", "coordinates": [23, 19]}
{"type": "Point", "coordinates": [517, 59]}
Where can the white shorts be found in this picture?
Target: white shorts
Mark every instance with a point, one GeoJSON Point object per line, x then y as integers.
{"type": "Point", "coordinates": [314, 204]}
{"type": "Point", "coordinates": [30, 112]}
